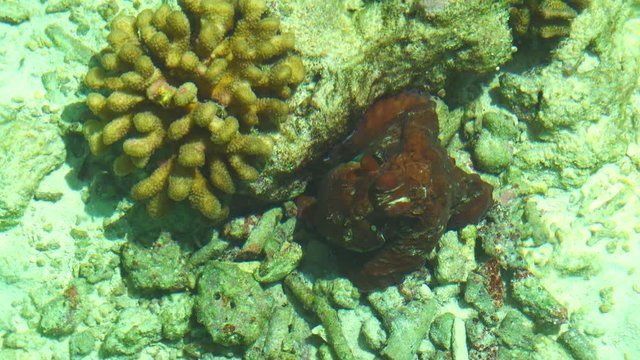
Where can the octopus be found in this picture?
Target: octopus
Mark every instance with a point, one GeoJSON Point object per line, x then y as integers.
{"type": "Point", "coordinates": [386, 208]}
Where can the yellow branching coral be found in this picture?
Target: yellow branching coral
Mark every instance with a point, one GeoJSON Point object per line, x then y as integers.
{"type": "Point", "coordinates": [187, 94]}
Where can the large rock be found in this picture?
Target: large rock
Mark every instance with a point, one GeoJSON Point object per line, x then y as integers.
{"type": "Point", "coordinates": [231, 304]}
{"type": "Point", "coordinates": [366, 50]}
{"type": "Point", "coordinates": [29, 150]}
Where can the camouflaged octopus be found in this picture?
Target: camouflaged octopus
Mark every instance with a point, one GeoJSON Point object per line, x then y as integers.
{"type": "Point", "coordinates": [388, 209]}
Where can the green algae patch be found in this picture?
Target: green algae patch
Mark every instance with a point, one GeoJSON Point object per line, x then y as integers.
{"type": "Point", "coordinates": [231, 304]}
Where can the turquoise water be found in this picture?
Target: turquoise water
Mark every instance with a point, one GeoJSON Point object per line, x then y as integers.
{"type": "Point", "coordinates": [244, 104]}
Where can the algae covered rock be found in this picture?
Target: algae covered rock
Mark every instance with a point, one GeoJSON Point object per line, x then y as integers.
{"type": "Point", "coordinates": [175, 313]}
{"type": "Point", "coordinates": [33, 150]}
{"type": "Point", "coordinates": [369, 50]}
{"type": "Point", "coordinates": [16, 12]}
{"type": "Point", "coordinates": [455, 259]}
{"type": "Point", "coordinates": [60, 317]}
{"type": "Point", "coordinates": [161, 266]}
{"type": "Point", "coordinates": [135, 329]}
{"type": "Point", "coordinates": [544, 19]}
{"type": "Point", "coordinates": [441, 329]}
{"type": "Point", "coordinates": [282, 254]}
{"type": "Point", "coordinates": [81, 344]}
{"type": "Point", "coordinates": [492, 154]}
{"type": "Point", "coordinates": [493, 148]}
{"type": "Point", "coordinates": [535, 300]}
{"type": "Point", "coordinates": [231, 304]}
{"type": "Point", "coordinates": [190, 95]}
{"type": "Point", "coordinates": [577, 108]}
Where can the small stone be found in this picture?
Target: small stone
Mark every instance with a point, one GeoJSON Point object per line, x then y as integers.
{"type": "Point", "coordinates": [606, 296]}
{"type": "Point", "coordinates": [50, 196]}
{"type": "Point", "coordinates": [441, 330]}
{"type": "Point", "coordinates": [578, 345]}
{"type": "Point", "coordinates": [175, 313]}
{"type": "Point", "coordinates": [81, 344]}
{"type": "Point", "coordinates": [161, 266]}
{"type": "Point", "coordinates": [60, 317]}
{"type": "Point", "coordinates": [231, 304]}
{"type": "Point", "coordinates": [535, 300]}
{"type": "Point", "coordinates": [135, 329]}
{"type": "Point", "coordinates": [78, 234]}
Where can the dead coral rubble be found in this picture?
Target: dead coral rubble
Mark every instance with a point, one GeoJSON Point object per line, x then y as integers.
{"type": "Point", "coordinates": [188, 93]}
{"type": "Point", "coordinates": [545, 19]}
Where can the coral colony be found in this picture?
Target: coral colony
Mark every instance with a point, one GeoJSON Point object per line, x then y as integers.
{"type": "Point", "coordinates": [189, 94]}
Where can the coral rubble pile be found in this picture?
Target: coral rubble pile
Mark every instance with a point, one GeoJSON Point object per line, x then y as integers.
{"type": "Point", "coordinates": [189, 94]}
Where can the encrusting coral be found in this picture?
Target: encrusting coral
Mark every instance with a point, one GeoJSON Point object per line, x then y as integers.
{"type": "Point", "coordinates": [185, 91]}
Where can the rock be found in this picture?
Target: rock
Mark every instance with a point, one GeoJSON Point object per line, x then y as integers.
{"type": "Point", "coordinates": [60, 317]}
{"type": "Point", "coordinates": [175, 313]}
{"type": "Point", "coordinates": [33, 150]}
{"type": "Point", "coordinates": [81, 344]}
{"type": "Point", "coordinates": [135, 329]}
{"type": "Point", "coordinates": [492, 154]}
{"type": "Point", "coordinates": [161, 266]}
{"type": "Point", "coordinates": [16, 12]}
{"type": "Point", "coordinates": [231, 304]}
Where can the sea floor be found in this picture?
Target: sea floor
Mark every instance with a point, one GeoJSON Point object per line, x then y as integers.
{"type": "Point", "coordinates": [584, 248]}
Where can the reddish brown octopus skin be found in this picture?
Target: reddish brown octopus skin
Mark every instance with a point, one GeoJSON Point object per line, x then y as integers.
{"type": "Point", "coordinates": [389, 209]}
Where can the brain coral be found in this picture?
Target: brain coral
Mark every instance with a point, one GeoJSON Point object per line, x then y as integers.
{"type": "Point", "coordinates": [189, 95]}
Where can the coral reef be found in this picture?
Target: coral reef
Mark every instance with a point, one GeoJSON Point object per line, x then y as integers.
{"type": "Point", "coordinates": [545, 19]}
{"type": "Point", "coordinates": [393, 205]}
{"type": "Point", "coordinates": [190, 94]}
{"type": "Point", "coordinates": [581, 105]}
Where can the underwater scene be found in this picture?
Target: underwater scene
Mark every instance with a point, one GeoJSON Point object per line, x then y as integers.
{"type": "Point", "coordinates": [320, 179]}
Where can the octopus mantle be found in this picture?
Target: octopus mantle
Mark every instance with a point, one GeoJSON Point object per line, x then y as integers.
{"type": "Point", "coordinates": [388, 210]}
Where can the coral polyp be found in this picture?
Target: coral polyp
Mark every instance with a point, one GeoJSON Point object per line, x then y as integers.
{"type": "Point", "coordinates": [190, 94]}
